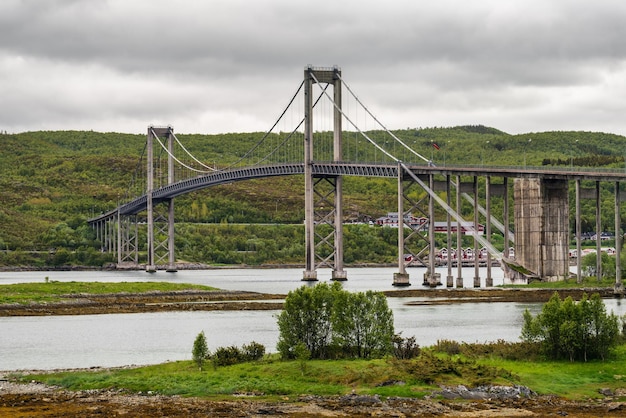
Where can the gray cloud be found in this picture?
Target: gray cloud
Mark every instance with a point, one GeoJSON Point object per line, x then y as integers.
{"type": "Point", "coordinates": [230, 65]}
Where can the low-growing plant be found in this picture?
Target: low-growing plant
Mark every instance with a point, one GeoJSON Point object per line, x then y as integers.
{"type": "Point", "coordinates": [449, 347]}
{"type": "Point", "coordinates": [226, 356]}
{"type": "Point", "coordinates": [253, 351]}
{"type": "Point", "coordinates": [405, 348]}
{"type": "Point", "coordinates": [430, 368]}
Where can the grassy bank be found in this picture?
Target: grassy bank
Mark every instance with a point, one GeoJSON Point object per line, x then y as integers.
{"type": "Point", "coordinates": [271, 378]}
{"type": "Point", "coordinates": [53, 291]}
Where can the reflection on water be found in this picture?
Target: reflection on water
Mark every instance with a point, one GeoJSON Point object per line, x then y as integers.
{"type": "Point", "coordinates": [124, 339]}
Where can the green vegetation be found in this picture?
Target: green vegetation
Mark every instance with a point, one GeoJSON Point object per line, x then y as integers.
{"type": "Point", "coordinates": [574, 330]}
{"type": "Point", "coordinates": [54, 291]}
{"type": "Point", "coordinates": [334, 323]}
{"type": "Point", "coordinates": [53, 181]}
{"type": "Point", "coordinates": [411, 372]}
{"type": "Point", "coordinates": [271, 378]}
{"type": "Point", "coordinates": [200, 350]}
{"type": "Point", "coordinates": [227, 356]}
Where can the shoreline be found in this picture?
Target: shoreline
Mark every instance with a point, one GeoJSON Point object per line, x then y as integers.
{"type": "Point", "coordinates": [35, 399]}
{"type": "Point", "coordinates": [91, 304]}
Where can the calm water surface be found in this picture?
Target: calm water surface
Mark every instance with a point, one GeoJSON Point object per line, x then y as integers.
{"type": "Point", "coordinates": [125, 339]}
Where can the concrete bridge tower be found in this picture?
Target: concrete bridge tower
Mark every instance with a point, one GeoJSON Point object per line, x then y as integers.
{"type": "Point", "coordinates": [541, 228]}
{"type": "Point", "coordinates": [323, 194]}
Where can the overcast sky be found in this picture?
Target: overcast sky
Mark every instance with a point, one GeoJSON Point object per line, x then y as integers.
{"type": "Point", "coordinates": [218, 66]}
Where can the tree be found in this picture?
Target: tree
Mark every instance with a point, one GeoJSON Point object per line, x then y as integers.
{"type": "Point", "coordinates": [330, 321]}
{"type": "Point", "coordinates": [363, 324]}
{"type": "Point", "coordinates": [577, 331]}
{"type": "Point", "coordinates": [306, 318]}
{"type": "Point", "coordinates": [200, 350]}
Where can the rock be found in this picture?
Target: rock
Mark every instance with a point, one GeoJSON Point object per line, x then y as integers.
{"type": "Point", "coordinates": [606, 392]}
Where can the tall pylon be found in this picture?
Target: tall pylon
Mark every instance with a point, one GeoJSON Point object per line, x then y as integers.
{"type": "Point", "coordinates": [323, 194]}
{"type": "Point", "coordinates": [160, 246]}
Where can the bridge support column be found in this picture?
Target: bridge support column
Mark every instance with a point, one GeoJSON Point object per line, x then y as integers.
{"type": "Point", "coordinates": [155, 249]}
{"type": "Point", "coordinates": [578, 234]}
{"type": "Point", "coordinates": [431, 277]}
{"type": "Point", "coordinates": [541, 229]}
{"type": "Point", "coordinates": [619, 240]}
{"type": "Point", "coordinates": [476, 248]}
{"type": "Point", "coordinates": [401, 278]}
{"type": "Point", "coordinates": [459, 236]}
{"type": "Point", "coordinates": [150, 265]}
{"type": "Point", "coordinates": [449, 277]}
{"type": "Point", "coordinates": [489, 278]}
{"type": "Point", "coordinates": [322, 249]}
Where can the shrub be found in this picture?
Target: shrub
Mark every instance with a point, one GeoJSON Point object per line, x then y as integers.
{"type": "Point", "coordinates": [405, 348]}
{"type": "Point", "coordinates": [448, 346]}
{"type": "Point", "coordinates": [576, 331]}
{"type": "Point", "coordinates": [226, 356]}
{"type": "Point", "coordinates": [253, 351]}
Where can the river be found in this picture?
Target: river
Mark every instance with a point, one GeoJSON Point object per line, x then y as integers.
{"type": "Point", "coordinates": [148, 338]}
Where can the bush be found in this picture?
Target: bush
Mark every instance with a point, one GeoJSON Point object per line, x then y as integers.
{"type": "Point", "coordinates": [449, 347]}
{"type": "Point", "coordinates": [253, 351]}
{"type": "Point", "coordinates": [226, 356]}
{"type": "Point", "coordinates": [405, 348]}
{"type": "Point", "coordinates": [576, 331]}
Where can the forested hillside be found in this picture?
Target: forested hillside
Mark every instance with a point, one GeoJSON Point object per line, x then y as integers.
{"type": "Point", "coordinates": [52, 182]}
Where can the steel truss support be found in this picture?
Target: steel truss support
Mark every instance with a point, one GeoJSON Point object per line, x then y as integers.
{"type": "Point", "coordinates": [323, 195]}
{"type": "Point", "coordinates": [163, 241]}
{"type": "Point", "coordinates": [128, 240]}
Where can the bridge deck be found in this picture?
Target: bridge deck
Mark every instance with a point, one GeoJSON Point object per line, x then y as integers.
{"type": "Point", "coordinates": [139, 204]}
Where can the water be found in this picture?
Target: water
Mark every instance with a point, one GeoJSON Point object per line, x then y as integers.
{"type": "Point", "coordinates": [127, 339]}
{"type": "Point", "coordinates": [256, 280]}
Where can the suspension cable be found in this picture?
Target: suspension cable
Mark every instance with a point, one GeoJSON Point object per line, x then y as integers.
{"type": "Point", "coordinates": [174, 157]}
{"type": "Point", "coordinates": [377, 121]}
{"type": "Point", "coordinates": [191, 155]}
{"type": "Point", "coordinates": [258, 144]}
{"type": "Point", "coordinates": [352, 123]}
{"type": "Point", "coordinates": [278, 146]}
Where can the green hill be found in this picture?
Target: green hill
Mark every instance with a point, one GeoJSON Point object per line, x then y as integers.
{"type": "Point", "coordinates": [51, 182]}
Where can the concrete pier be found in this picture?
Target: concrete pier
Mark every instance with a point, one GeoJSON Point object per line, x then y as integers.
{"type": "Point", "coordinates": [541, 227]}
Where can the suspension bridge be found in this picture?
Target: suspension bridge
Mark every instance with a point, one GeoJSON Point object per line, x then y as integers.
{"type": "Point", "coordinates": [330, 138]}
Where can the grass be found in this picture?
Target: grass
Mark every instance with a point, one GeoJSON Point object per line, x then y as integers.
{"type": "Point", "coordinates": [573, 380]}
{"type": "Point", "coordinates": [272, 378]}
{"type": "Point", "coordinates": [54, 291]}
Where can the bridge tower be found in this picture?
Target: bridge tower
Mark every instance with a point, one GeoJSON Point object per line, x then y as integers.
{"type": "Point", "coordinates": [160, 213]}
{"type": "Point", "coordinates": [323, 194]}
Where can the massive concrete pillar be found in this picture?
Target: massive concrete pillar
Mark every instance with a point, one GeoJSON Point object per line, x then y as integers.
{"type": "Point", "coordinates": [541, 227]}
